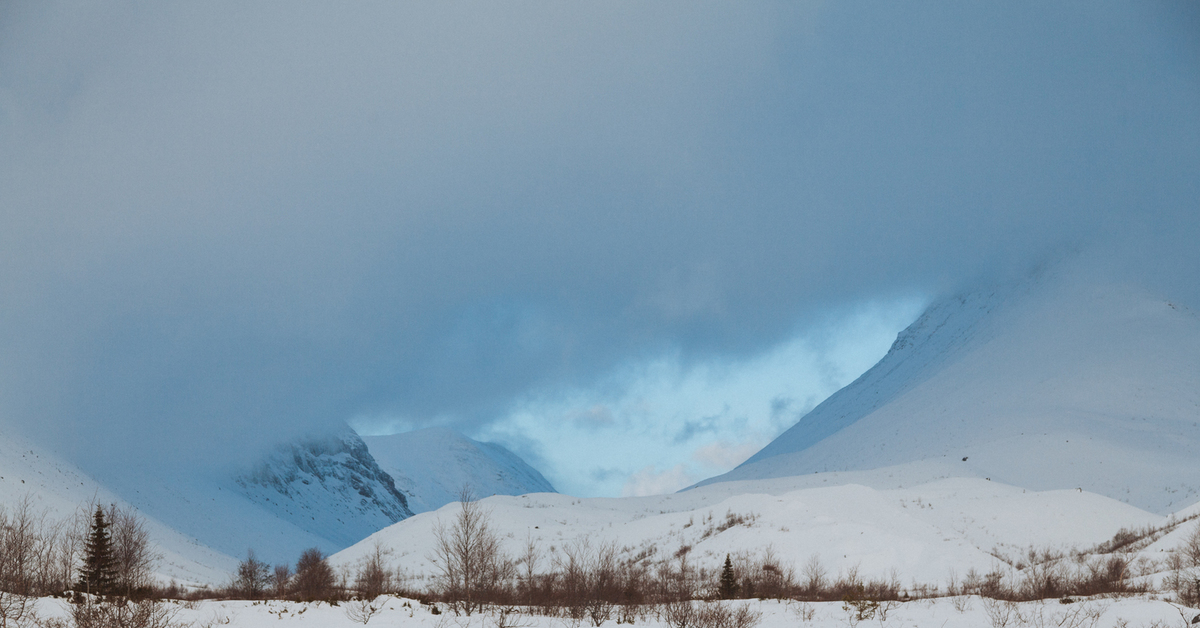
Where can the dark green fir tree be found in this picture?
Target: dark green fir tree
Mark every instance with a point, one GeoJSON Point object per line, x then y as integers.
{"type": "Point", "coordinates": [99, 565]}
{"type": "Point", "coordinates": [728, 588]}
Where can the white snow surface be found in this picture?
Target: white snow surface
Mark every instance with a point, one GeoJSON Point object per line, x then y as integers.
{"type": "Point", "coordinates": [431, 466]}
{"type": "Point", "coordinates": [1061, 381]}
{"type": "Point", "coordinates": [965, 612]}
{"type": "Point", "coordinates": [924, 532]}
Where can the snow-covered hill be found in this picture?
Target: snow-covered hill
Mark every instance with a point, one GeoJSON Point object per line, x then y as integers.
{"type": "Point", "coordinates": [431, 466]}
{"type": "Point", "coordinates": [925, 532]}
{"type": "Point", "coordinates": [1060, 381]}
{"type": "Point", "coordinates": [58, 489]}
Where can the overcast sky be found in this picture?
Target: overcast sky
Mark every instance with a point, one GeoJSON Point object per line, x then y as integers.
{"type": "Point", "coordinates": [633, 241]}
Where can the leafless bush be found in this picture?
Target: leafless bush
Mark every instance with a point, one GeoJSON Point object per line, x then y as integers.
{"type": "Point", "coordinates": [803, 611]}
{"type": "Point", "coordinates": [718, 615]}
{"type": "Point", "coordinates": [679, 613]}
{"type": "Point", "coordinates": [362, 610]}
{"type": "Point", "coordinates": [1184, 563]}
{"type": "Point", "coordinates": [122, 613]}
{"type": "Point", "coordinates": [1000, 612]}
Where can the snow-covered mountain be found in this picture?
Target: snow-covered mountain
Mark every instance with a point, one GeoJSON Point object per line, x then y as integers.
{"type": "Point", "coordinates": [328, 485]}
{"type": "Point", "coordinates": [1062, 380]}
{"type": "Point", "coordinates": [324, 491]}
{"type": "Point", "coordinates": [431, 466]}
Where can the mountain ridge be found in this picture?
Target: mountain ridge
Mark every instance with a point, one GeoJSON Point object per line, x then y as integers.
{"type": "Point", "coordinates": [1063, 380]}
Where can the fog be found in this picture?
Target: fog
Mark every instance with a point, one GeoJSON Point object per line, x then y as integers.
{"type": "Point", "coordinates": [224, 225]}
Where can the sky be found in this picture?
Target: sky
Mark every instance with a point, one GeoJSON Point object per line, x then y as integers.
{"type": "Point", "coordinates": [631, 241]}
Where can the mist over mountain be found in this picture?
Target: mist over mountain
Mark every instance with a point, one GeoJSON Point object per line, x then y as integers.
{"type": "Point", "coordinates": [1067, 378]}
{"type": "Point", "coordinates": [226, 226]}
{"type": "Point", "coordinates": [431, 467]}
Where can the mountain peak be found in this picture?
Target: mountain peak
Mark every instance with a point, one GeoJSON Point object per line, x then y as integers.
{"type": "Point", "coordinates": [431, 465]}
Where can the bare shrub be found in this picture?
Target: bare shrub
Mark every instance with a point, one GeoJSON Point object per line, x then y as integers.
{"type": "Point", "coordinates": [122, 613]}
{"type": "Point", "coordinates": [1000, 612]}
{"type": "Point", "coordinates": [362, 610]}
{"type": "Point", "coordinates": [1184, 563]}
{"type": "Point", "coordinates": [679, 613]}
{"type": "Point", "coordinates": [814, 577]}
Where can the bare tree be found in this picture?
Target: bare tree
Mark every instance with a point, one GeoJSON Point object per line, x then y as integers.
{"type": "Point", "coordinates": [252, 577]}
{"type": "Point", "coordinates": [133, 557]}
{"type": "Point", "coordinates": [314, 577]}
{"type": "Point", "coordinates": [18, 540]}
{"type": "Point", "coordinates": [373, 578]}
{"type": "Point", "coordinates": [529, 563]}
{"type": "Point", "coordinates": [281, 580]}
{"type": "Point", "coordinates": [471, 566]}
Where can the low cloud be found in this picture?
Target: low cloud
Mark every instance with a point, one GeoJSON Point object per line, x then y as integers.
{"type": "Point", "coordinates": [722, 456]}
{"type": "Point", "coordinates": [650, 481]}
{"type": "Point", "coordinates": [226, 224]}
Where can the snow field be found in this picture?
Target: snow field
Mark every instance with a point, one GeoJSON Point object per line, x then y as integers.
{"type": "Point", "coordinates": [960, 612]}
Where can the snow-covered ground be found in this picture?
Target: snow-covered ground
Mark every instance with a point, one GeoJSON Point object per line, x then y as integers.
{"type": "Point", "coordinates": [430, 467]}
{"type": "Point", "coordinates": [962, 612]}
{"type": "Point", "coordinates": [924, 534]}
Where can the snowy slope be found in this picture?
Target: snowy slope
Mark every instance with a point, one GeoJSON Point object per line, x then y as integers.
{"type": "Point", "coordinates": [1061, 381]}
{"type": "Point", "coordinates": [324, 492]}
{"type": "Point", "coordinates": [58, 489]}
{"type": "Point", "coordinates": [431, 466]}
{"type": "Point", "coordinates": [923, 532]}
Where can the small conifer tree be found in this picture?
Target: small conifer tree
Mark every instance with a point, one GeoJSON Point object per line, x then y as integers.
{"type": "Point", "coordinates": [99, 566]}
{"type": "Point", "coordinates": [728, 588]}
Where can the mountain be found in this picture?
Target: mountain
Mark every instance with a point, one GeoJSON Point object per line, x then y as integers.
{"type": "Point", "coordinates": [322, 491]}
{"type": "Point", "coordinates": [328, 485]}
{"type": "Point", "coordinates": [431, 466]}
{"type": "Point", "coordinates": [1063, 380]}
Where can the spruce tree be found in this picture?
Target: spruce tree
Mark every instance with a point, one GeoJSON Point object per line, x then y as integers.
{"type": "Point", "coordinates": [728, 588]}
{"type": "Point", "coordinates": [99, 566]}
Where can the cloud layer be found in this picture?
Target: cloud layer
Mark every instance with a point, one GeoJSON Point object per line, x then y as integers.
{"type": "Point", "coordinates": [222, 223]}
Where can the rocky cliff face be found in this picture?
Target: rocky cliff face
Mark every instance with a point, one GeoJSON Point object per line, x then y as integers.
{"type": "Point", "coordinates": [327, 485]}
